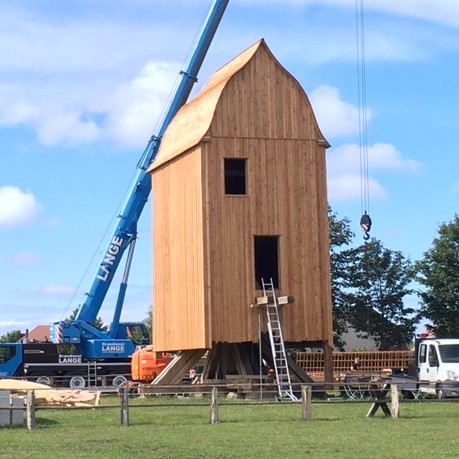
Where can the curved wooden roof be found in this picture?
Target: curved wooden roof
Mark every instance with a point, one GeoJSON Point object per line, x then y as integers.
{"type": "Point", "coordinates": [193, 121]}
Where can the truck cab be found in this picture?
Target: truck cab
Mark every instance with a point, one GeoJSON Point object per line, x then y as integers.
{"type": "Point", "coordinates": [10, 359]}
{"type": "Point", "coordinates": [438, 367]}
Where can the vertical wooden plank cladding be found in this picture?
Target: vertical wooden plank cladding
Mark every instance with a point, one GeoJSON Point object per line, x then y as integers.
{"type": "Point", "coordinates": [229, 245]}
{"type": "Point", "coordinates": [178, 258]}
{"type": "Point", "coordinates": [264, 115]}
{"type": "Point", "coordinates": [282, 200]}
{"type": "Point", "coordinates": [323, 228]}
{"type": "Point", "coordinates": [203, 239]}
{"type": "Point", "coordinates": [264, 101]}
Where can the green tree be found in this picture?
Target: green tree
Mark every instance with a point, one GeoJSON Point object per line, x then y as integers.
{"type": "Point", "coordinates": [379, 282]}
{"type": "Point", "coordinates": [340, 235]}
{"type": "Point", "coordinates": [11, 337]}
{"type": "Point", "coordinates": [148, 321]}
{"type": "Point", "coordinates": [439, 274]}
{"type": "Point", "coordinates": [98, 323]}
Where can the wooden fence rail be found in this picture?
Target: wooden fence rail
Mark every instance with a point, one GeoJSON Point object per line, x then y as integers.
{"type": "Point", "coordinates": [306, 403]}
{"type": "Point", "coordinates": [30, 407]}
{"type": "Point", "coordinates": [383, 397]}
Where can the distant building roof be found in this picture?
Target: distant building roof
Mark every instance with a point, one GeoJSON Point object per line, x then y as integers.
{"type": "Point", "coordinates": [39, 334]}
{"type": "Point", "coordinates": [356, 343]}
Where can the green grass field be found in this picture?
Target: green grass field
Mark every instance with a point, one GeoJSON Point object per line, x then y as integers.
{"type": "Point", "coordinates": [245, 431]}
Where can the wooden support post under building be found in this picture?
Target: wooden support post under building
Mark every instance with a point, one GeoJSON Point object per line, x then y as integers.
{"type": "Point", "coordinates": [306, 402]}
{"type": "Point", "coordinates": [328, 362]}
{"type": "Point", "coordinates": [30, 404]}
{"type": "Point", "coordinates": [124, 408]}
{"type": "Point", "coordinates": [214, 417]}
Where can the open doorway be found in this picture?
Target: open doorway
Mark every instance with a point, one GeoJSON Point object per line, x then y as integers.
{"type": "Point", "coordinates": [266, 249]}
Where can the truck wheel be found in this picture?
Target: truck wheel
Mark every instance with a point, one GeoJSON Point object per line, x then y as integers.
{"type": "Point", "coordinates": [77, 382]}
{"type": "Point", "coordinates": [118, 381]}
{"type": "Point", "coordinates": [44, 380]}
{"type": "Point", "coordinates": [441, 393]}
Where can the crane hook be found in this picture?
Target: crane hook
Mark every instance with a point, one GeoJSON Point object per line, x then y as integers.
{"type": "Point", "coordinates": [365, 224]}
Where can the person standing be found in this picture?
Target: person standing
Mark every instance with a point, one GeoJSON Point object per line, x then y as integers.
{"type": "Point", "coordinates": [356, 365]}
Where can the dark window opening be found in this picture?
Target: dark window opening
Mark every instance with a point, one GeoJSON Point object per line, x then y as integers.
{"type": "Point", "coordinates": [138, 334]}
{"type": "Point", "coordinates": [423, 353]}
{"type": "Point", "coordinates": [266, 260]}
{"type": "Point", "coordinates": [433, 357]}
{"type": "Point", "coordinates": [235, 176]}
{"type": "Point", "coordinates": [7, 353]}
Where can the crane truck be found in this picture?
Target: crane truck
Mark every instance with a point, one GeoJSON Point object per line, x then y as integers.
{"type": "Point", "coordinates": [79, 352]}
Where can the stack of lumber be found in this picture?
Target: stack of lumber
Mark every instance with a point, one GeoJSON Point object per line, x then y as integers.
{"type": "Point", "coordinates": [45, 395]}
{"type": "Point", "coordinates": [66, 397]}
{"type": "Point", "coordinates": [17, 385]}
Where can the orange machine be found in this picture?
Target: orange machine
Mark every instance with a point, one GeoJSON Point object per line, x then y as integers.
{"type": "Point", "coordinates": [146, 365]}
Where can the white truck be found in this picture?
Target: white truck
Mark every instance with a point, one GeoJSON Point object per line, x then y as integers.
{"type": "Point", "coordinates": [437, 365]}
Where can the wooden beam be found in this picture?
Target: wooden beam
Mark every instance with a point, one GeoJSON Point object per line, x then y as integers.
{"type": "Point", "coordinates": [178, 368]}
{"type": "Point", "coordinates": [264, 300]}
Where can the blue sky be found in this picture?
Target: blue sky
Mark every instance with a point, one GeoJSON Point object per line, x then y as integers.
{"type": "Point", "coordinates": [83, 84]}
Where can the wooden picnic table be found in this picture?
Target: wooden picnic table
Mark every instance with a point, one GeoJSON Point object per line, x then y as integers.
{"type": "Point", "coordinates": [380, 401]}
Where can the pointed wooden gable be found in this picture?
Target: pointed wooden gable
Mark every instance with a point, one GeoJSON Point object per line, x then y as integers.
{"type": "Point", "coordinates": [194, 120]}
{"type": "Point", "coordinates": [239, 193]}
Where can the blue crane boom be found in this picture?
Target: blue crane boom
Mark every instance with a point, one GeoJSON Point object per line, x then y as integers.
{"type": "Point", "coordinates": [126, 228]}
{"type": "Point", "coordinates": [81, 331]}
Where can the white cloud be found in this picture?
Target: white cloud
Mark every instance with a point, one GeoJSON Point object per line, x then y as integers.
{"type": "Point", "coordinates": [17, 207]}
{"type": "Point", "coordinates": [137, 104]}
{"type": "Point", "coordinates": [15, 109]}
{"type": "Point", "coordinates": [75, 81]}
{"type": "Point", "coordinates": [339, 118]}
{"type": "Point", "coordinates": [336, 43]}
{"type": "Point", "coordinates": [441, 11]}
{"type": "Point", "coordinates": [24, 259]}
{"type": "Point", "coordinates": [335, 117]}
{"type": "Point", "coordinates": [347, 187]}
{"type": "Point", "coordinates": [55, 116]}
{"type": "Point", "coordinates": [10, 325]}
{"type": "Point", "coordinates": [51, 291]}
{"type": "Point", "coordinates": [126, 112]}
{"type": "Point", "coordinates": [386, 156]}
{"type": "Point", "coordinates": [39, 43]}
{"type": "Point", "coordinates": [57, 290]}
{"type": "Point", "coordinates": [381, 156]}
{"type": "Point", "coordinates": [66, 127]}
{"type": "Point", "coordinates": [343, 170]}
{"type": "Point", "coordinates": [323, 31]}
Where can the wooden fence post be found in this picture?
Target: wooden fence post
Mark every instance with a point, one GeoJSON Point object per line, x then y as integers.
{"type": "Point", "coordinates": [30, 404]}
{"type": "Point", "coordinates": [306, 402]}
{"type": "Point", "coordinates": [124, 407]}
{"type": "Point", "coordinates": [214, 417]}
{"type": "Point", "coordinates": [395, 403]}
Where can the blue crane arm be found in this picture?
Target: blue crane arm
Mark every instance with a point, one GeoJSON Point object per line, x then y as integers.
{"type": "Point", "coordinates": [126, 228]}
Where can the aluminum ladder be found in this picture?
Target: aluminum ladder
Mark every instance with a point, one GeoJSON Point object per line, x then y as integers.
{"type": "Point", "coordinates": [284, 383]}
{"type": "Point", "coordinates": [92, 374]}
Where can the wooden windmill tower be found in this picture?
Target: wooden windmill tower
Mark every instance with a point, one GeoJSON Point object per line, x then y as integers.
{"type": "Point", "coordinates": [239, 196]}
